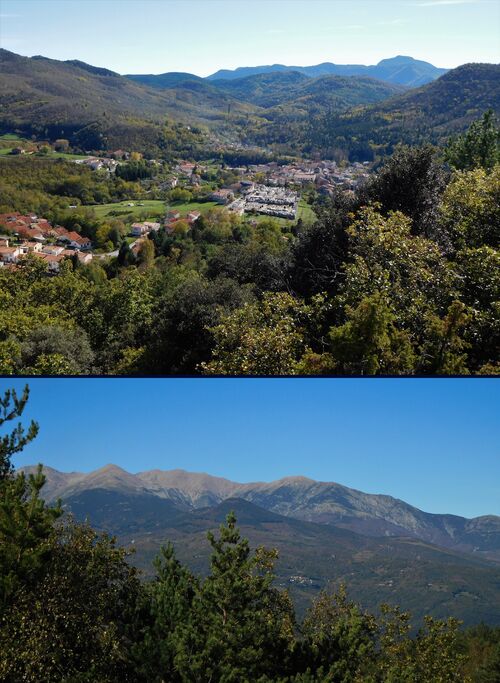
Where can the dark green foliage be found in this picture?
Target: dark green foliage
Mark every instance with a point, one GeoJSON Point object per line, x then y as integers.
{"type": "Point", "coordinates": [134, 170]}
{"type": "Point", "coordinates": [76, 621]}
{"type": "Point", "coordinates": [25, 521]}
{"type": "Point", "coordinates": [26, 530]}
{"type": "Point", "coordinates": [12, 407]}
{"type": "Point", "coordinates": [241, 626]}
{"type": "Point", "coordinates": [181, 336]}
{"type": "Point", "coordinates": [72, 345]}
{"type": "Point", "coordinates": [338, 638]}
{"type": "Point", "coordinates": [411, 181]}
{"type": "Point", "coordinates": [369, 343]}
{"type": "Point", "coordinates": [170, 600]}
{"type": "Point", "coordinates": [481, 645]}
{"type": "Point", "coordinates": [320, 250]}
{"type": "Point", "coordinates": [479, 147]}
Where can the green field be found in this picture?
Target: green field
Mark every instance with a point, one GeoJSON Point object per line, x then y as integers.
{"type": "Point", "coordinates": [149, 206]}
{"type": "Point", "coordinates": [64, 155]}
{"type": "Point", "coordinates": [305, 212]}
{"type": "Point", "coordinates": [185, 207]}
{"type": "Point", "coordinates": [5, 151]}
{"type": "Point", "coordinates": [6, 147]}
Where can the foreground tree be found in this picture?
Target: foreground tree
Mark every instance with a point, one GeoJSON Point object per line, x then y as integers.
{"type": "Point", "coordinates": [241, 628]}
{"type": "Point", "coordinates": [67, 596]}
{"type": "Point", "coordinates": [479, 147]}
{"type": "Point", "coordinates": [261, 338]}
{"type": "Point", "coordinates": [369, 343]}
{"type": "Point", "coordinates": [411, 181]}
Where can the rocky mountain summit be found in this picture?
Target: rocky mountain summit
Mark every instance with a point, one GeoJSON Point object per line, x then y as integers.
{"type": "Point", "coordinates": [325, 503]}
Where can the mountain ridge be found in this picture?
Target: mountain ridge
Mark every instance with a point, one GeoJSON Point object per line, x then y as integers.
{"type": "Point", "coordinates": [144, 511]}
{"type": "Point", "coordinates": [297, 497]}
{"type": "Point", "coordinates": [190, 117]}
{"type": "Point", "coordinates": [418, 72]}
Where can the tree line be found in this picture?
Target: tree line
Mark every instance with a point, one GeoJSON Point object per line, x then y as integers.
{"type": "Point", "coordinates": [72, 608]}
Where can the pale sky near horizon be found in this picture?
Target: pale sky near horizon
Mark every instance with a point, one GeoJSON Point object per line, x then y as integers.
{"type": "Point", "coordinates": [432, 442]}
{"type": "Point", "coordinates": [202, 36]}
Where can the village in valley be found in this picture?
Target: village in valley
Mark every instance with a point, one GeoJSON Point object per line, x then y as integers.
{"type": "Point", "coordinates": [271, 189]}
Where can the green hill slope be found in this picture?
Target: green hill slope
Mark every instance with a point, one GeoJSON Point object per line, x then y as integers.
{"type": "Point", "coordinates": [428, 114]}
{"type": "Point", "coordinates": [420, 577]}
{"type": "Point", "coordinates": [96, 108]}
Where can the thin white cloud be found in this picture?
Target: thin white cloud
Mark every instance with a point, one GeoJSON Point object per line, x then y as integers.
{"type": "Point", "coordinates": [437, 3]}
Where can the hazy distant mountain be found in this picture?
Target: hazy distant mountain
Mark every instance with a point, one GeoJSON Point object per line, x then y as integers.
{"type": "Point", "coordinates": [167, 80]}
{"type": "Point", "coordinates": [297, 497]}
{"type": "Point", "coordinates": [400, 70]}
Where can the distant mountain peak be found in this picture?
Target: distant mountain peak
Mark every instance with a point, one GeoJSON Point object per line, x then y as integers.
{"type": "Point", "coordinates": [417, 71]}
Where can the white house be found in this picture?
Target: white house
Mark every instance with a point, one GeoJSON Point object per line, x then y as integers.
{"type": "Point", "coordinates": [10, 254]}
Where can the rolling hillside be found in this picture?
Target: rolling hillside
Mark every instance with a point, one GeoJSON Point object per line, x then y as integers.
{"type": "Point", "coordinates": [96, 107]}
{"type": "Point", "coordinates": [427, 114]}
{"type": "Point", "coordinates": [297, 91]}
{"type": "Point", "coordinates": [288, 111]}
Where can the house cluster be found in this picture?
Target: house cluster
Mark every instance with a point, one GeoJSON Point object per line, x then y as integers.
{"type": "Point", "coordinates": [324, 175]}
{"type": "Point", "coordinates": [29, 234]}
{"type": "Point", "coordinates": [271, 201]}
{"type": "Point", "coordinates": [223, 196]}
{"type": "Point", "coordinates": [141, 229]}
{"type": "Point", "coordinates": [174, 217]}
{"type": "Point", "coordinates": [274, 189]}
{"type": "Point", "coordinates": [97, 163]}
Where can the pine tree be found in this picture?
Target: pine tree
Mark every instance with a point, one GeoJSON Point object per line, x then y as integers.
{"type": "Point", "coordinates": [26, 523]}
{"type": "Point", "coordinates": [241, 628]}
{"type": "Point", "coordinates": [169, 602]}
{"type": "Point", "coordinates": [478, 147]}
{"type": "Point", "coordinates": [11, 407]}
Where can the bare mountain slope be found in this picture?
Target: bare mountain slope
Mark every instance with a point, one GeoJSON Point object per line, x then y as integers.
{"type": "Point", "coordinates": [297, 497]}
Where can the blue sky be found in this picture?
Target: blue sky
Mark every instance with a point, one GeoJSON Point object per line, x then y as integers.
{"type": "Point", "coordinates": [433, 443]}
{"type": "Point", "coordinates": [201, 36]}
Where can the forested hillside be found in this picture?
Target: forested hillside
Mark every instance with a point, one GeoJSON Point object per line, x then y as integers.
{"type": "Point", "coordinates": [354, 114]}
{"type": "Point", "coordinates": [427, 114]}
{"type": "Point", "coordinates": [388, 557]}
{"type": "Point", "coordinates": [95, 108]}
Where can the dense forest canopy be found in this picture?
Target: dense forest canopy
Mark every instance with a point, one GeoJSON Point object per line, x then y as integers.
{"type": "Point", "coordinates": [73, 608]}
